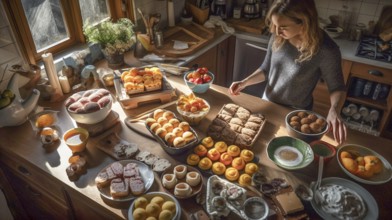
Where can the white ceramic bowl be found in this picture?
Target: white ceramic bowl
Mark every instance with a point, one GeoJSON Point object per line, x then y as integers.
{"type": "Point", "coordinates": [92, 117]}
{"type": "Point", "coordinates": [256, 208]}
{"type": "Point", "coordinates": [165, 196]}
{"type": "Point", "coordinates": [380, 178]}
{"type": "Point", "coordinates": [193, 118]}
{"type": "Point", "coordinates": [304, 136]}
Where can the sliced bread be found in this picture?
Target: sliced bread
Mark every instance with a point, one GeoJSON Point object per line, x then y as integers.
{"type": "Point", "coordinates": [119, 188]}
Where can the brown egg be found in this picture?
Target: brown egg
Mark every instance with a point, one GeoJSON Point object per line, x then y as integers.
{"type": "Point", "coordinates": [322, 122]}
{"type": "Point", "coordinates": [296, 125]}
{"type": "Point", "coordinates": [306, 129]}
{"type": "Point", "coordinates": [316, 128]}
{"type": "Point", "coordinates": [302, 114]}
{"type": "Point", "coordinates": [305, 121]}
{"type": "Point", "coordinates": [312, 117]}
{"type": "Point", "coordinates": [295, 118]}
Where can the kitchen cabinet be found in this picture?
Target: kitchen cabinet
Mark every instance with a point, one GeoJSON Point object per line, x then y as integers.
{"type": "Point", "coordinates": [368, 102]}
{"type": "Point", "coordinates": [219, 60]}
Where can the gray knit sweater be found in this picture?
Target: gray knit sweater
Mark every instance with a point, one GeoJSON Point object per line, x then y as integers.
{"type": "Point", "coordinates": [292, 84]}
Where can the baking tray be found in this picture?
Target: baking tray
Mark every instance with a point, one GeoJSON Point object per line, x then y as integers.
{"type": "Point", "coordinates": [218, 136]}
{"type": "Point", "coordinates": [129, 101]}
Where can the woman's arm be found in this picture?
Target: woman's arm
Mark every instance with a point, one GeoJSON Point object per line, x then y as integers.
{"type": "Point", "coordinates": [257, 76]}
{"type": "Point", "coordinates": [334, 120]}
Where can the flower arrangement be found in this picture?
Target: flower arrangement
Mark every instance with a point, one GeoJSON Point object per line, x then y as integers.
{"type": "Point", "coordinates": [114, 37]}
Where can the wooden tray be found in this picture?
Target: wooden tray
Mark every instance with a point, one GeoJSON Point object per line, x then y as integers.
{"type": "Point", "coordinates": [107, 143]}
{"type": "Point", "coordinates": [195, 35]}
{"type": "Point", "coordinates": [255, 26]}
{"type": "Point", "coordinates": [129, 101]}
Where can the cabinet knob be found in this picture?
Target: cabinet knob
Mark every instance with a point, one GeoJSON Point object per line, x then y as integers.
{"type": "Point", "coordinates": [375, 73]}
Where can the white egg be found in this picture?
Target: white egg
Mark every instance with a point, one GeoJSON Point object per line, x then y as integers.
{"type": "Point", "coordinates": [288, 156]}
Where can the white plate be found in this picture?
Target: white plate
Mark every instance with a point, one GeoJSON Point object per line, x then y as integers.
{"type": "Point", "coordinates": [371, 204]}
{"type": "Point", "coordinates": [145, 172]}
{"type": "Point", "coordinates": [380, 178]}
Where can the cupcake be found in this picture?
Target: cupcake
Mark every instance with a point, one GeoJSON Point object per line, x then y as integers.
{"type": "Point", "coordinates": [238, 163]}
{"type": "Point", "coordinates": [193, 159]}
{"type": "Point", "coordinates": [213, 154]}
{"type": "Point", "coordinates": [193, 178]}
{"type": "Point", "coordinates": [245, 179]}
{"type": "Point", "coordinates": [233, 150]}
{"type": "Point", "coordinates": [232, 174]}
{"type": "Point", "coordinates": [226, 159]}
{"type": "Point", "coordinates": [207, 142]}
{"type": "Point", "coordinates": [221, 146]}
{"type": "Point", "coordinates": [205, 163]}
{"type": "Point", "coordinates": [251, 168]}
{"type": "Point", "coordinates": [247, 155]}
{"type": "Point", "coordinates": [218, 168]}
{"type": "Point", "coordinates": [200, 150]}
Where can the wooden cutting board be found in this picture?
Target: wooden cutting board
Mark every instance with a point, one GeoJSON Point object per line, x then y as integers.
{"type": "Point", "coordinates": [255, 26]}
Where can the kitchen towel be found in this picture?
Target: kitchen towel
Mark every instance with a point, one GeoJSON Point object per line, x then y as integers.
{"type": "Point", "coordinates": [217, 21]}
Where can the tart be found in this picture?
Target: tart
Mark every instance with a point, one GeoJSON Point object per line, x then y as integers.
{"type": "Point", "coordinates": [221, 146]}
{"type": "Point", "coordinates": [251, 168]}
{"type": "Point", "coordinates": [213, 154]}
{"type": "Point", "coordinates": [226, 159]}
{"type": "Point", "coordinates": [238, 163]}
{"type": "Point", "coordinates": [232, 174]}
{"type": "Point", "coordinates": [245, 179]}
{"type": "Point", "coordinates": [205, 163]}
{"type": "Point", "coordinates": [180, 171]}
{"type": "Point", "coordinates": [193, 178]}
{"type": "Point", "coordinates": [193, 159]}
{"type": "Point", "coordinates": [200, 150]}
{"type": "Point", "coordinates": [207, 142]}
{"type": "Point", "coordinates": [218, 168]}
{"type": "Point", "coordinates": [169, 181]}
{"type": "Point", "coordinates": [247, 155]}
{"type": "Point", "coordinates": [233, 150]}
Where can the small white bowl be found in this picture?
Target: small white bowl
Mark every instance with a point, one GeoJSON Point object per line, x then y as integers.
{"type": "Point", "coordinates": [256, 208]}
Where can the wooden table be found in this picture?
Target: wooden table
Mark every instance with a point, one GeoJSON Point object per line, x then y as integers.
{"type": "Point", "coordinates": [21, 142]}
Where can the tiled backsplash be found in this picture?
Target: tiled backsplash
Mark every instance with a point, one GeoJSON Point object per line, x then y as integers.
{"type": "Point", "coordinates": [362, 11]}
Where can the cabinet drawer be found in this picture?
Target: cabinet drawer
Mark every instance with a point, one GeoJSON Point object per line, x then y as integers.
{"type": "Point", "coordinates": [33, 175]}
{"type": "Point", "coordinates": [380, 75]}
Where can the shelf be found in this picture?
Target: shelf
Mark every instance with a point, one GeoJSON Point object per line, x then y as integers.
{"type": "Point", "coordinates": [362, 128]}
{"type": "Point", "coordinates": [382, 105]}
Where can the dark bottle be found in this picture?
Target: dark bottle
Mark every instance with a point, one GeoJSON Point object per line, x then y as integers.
{"type": "Point", "coordinates": [358, 87]}
{"type": "Point", "coordinates": [384, 92]}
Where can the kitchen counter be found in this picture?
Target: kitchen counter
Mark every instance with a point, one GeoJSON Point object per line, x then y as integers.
{"type": "Point", "coordinates": [22, 143]}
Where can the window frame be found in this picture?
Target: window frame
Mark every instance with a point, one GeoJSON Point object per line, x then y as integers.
{"type": "Point", "coordinates": [72, 17]}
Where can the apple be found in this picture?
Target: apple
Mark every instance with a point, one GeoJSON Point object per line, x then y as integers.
{"type": "Point", "coordinates": [199, 81]}
{"type": "Point", "coordinates": [206, 78]}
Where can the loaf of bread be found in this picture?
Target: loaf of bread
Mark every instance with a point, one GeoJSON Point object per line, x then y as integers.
{"type": "Point", "coordinates": [236, 125]}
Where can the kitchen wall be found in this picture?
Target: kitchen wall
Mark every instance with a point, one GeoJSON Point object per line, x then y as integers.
{"type": "Point", "coordinates": [362, 11]}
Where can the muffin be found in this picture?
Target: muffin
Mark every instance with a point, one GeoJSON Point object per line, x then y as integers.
{"type": "Point", "coordinates": [247, 155]}
{"type": "Point", "coordinates": [226, 159]}
{"type": "Point", "coordinates": [207, 142]}
{"type": "Point", "coordinates": [221, 146]}
{"type": "Point", "coordinates": [233, 150]}
{"type": "Point", "coordinates": [218, 168]}
{"type": "Point", "coordinates": [245, 179]}
{"type": "Point", "coordinates": [193, 159]}
{"type": "Point", "coordinates": [213, 154]}
{"type": "Point", "coordinates": [205, 163]}
{"type": "Point", "coordinates": [200, 150]}
{"type": "Point", "coordinates": [232, 174]}
{"type": "Point", "coordinates": [238, 163]}
{"type": "Point", "coordinates": [251, 168]}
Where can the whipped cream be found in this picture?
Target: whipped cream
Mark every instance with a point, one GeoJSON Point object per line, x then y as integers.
{"type": "Point", "coordinates": [342, 202]}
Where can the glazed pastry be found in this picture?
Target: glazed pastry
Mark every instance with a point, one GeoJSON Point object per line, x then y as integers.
{"type": "Point", "coordinates": [180, 171]}
{"type": "Point", "coordinates": [169, 138]}
{"type": "Point", "coordinates": [245, 179]}
{"type": "Point", "coordinates": [175, 122]}
{"type": "Point", "coordinates": [168, 115]}
{"type": "Point", "coordinates": [154, 127]}
{"type": "Point", "coordinates": [162, 120]}
{"type": "Point", "coordinates": [158, 113]}
{"type": "Point", "coordinates": [182, 189]}
{"type": "Point", "coordinates": [213, 154]}
{"type": "Point", "coordinates": [218, 168]}
{"type": "Point", "coordinates": [232, 174]}
{"type": "Point", "coordinates": [200, 150]}
{"type": "Point", "coordinates": [193, 178]}
{"type": "Point", "coordinates": [226, 159]}
{"type": "Point", "coordinates": [221, 146]}
{"type": "Point", "coordinates": [207, 142]}
{"type": "Point", "coordinates": [188, 136]}
{"type": "Point", "coordinates": [193, 159]}
{"type": "Point", "coordinates": [251, 168]}
{"type": "Point", "coordinates": [178, 142]}
{"type": "Point", "coordinates": [205, 163]}
{"type": "Point", "coordinates": [178, 132]}
{"type": "Point", "coordinates": [233, 150]}
{"type": "Point", "coordinates": [247, 155]}
{"type": "Point", "coordinates": [168, 127]}
{"type": "Point", "coordinates": [169, 181]}
{"type": "Point", "coordinates": [161, 132]}
{"type": "Point", "coordinates": [238, 163]}
{"type": "Point", "coordinates": [184, 126]}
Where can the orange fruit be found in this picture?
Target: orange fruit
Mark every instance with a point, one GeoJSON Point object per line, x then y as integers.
{"type": "Point", "coordinates": [345, 154]}
{"type": "Point", "coordinates": [44, 121]}
{"type": "Point", "coordinates": [350, 164]}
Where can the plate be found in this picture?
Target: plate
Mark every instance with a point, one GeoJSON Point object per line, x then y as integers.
{"type": "Point", "coordinates": [380, 178]}
{"type": "Point", "coordinates": [371, 204]}
{"type": "Point", "coordinates": [195, 189]}
{"type": "Point", "coordinates": [145, 172]}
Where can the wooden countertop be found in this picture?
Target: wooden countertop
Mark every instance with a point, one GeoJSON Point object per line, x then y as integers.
{"type": "Point", "coordinates": [21, 142]}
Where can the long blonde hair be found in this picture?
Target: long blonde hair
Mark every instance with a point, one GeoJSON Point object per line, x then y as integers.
{"type": "Point", "coordinates": [301, 12]}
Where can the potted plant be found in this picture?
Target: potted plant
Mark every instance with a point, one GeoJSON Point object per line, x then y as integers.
{"type": "Point", "coordinates": [115, 38]}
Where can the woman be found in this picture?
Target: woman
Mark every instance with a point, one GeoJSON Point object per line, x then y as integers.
{"type": "Point", "coordinates": [299, 54]}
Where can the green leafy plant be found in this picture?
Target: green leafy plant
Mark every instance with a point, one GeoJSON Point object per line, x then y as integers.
{"type": "Point", "coordinates": [114, 37]}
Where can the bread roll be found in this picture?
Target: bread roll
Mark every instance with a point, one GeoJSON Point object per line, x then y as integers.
{"type": "Point", "coordinates": [188, 136]}
{"type": "Point", "coordinates": [119, 188]}
{"type": "Point", "coordinates": [178, 142]}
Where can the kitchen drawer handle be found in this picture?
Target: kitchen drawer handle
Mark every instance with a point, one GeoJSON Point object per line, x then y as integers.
{"type": "Point", "coordinates": [24, 171]}
{"type": "Point", "coordinates": [375, 73]}
{"type": "Point", "coordinates": [34, 192]}
{"type": "Point", "coordinates": [257, 47]}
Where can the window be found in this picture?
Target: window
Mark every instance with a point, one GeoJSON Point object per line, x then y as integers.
{"type": "Point", "coordinates": [55, 25]}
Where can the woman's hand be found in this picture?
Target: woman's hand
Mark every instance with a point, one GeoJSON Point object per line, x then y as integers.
{"type": "Point", "coordinates": [337, 125]}
{"type": "Point", "coordinates": [236, 87]}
